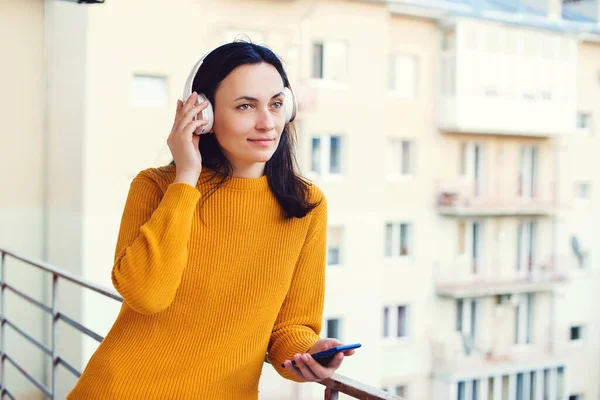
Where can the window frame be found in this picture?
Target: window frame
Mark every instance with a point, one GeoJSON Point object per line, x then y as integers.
{"type": "Point", "coordinates": [396, 241]}
{"type": "Point", "coordinates": [327, 64]}
{"type": "Point", "coordinates": [324, 159]}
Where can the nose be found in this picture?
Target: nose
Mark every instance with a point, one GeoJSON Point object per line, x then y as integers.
{"type": "Point", "coordinates": [265, 121]}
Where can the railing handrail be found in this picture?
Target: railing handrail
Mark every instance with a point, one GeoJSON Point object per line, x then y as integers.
{"type": "Point", "coordinates": [65, 275]}
{"type": "Point", "coordinates": [336, 384]}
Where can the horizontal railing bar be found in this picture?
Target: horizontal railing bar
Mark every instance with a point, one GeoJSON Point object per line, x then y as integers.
{"type": "Point", "coordinates": [5, 391]}
{"type": "Point", "coordinates": [80, 327]}
{"type": "Point", "coordinates": [53, 270]}
{"type": "Point", "coordinates": [29, 299]}
{"type": "Point", "coordinates": [28, 337]}
{"type": "Point", "coordinates": [356, 389]}
{"type": "Point", "coordinates": [29, 377]}
{"type": "Point", "coordinates": [68, 366]}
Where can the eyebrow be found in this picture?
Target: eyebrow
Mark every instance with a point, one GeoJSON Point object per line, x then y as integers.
{"type": "Point", "coordinates": [248, 98]}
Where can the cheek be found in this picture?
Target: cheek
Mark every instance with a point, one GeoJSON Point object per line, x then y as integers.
{"type": "Point", "coordinates": [230, 127]}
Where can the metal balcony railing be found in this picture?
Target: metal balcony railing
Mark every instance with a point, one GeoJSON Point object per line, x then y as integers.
{"type": "Point", "coordinates": [337, 384]}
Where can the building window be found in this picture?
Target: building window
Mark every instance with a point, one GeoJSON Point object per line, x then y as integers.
{"type": "Point", "coordinates": [333, 328]}
{"type": "Point", "coordinates": [464, 159]}
{"type": "Point", "coordinates": [334, 245]}
{"type": "Point", "coordinates": [582, 190]}
{"type": "Point", "coordinates": [326, 155]}
{"type": "Point", "coordinates": [400, 157]}
{"type": "Point", "coordinates": [526, 246]}
{"type": "Point", "coordinates": [461, 391]}
{"type": "Point", "coordinates": [316, 155]}
{"type": "Point", "coordinates": [528, 172]}
{"type": "Point", "coordinates": [524, 319]}
{"type": "Point", "coordinates": [386, 322]}
{"type": "Point", "coordinates": [149, 91]}
{"type": "Point", "coordinates": [466, 317]}
{"type": "Point", "coordinates": [403, 76]}
{"type": "Point", "coordinates": [330, 60]}
{"type": "Point", "coordinates": [576, 333]}
{"type": "Point", "coordinates": [317, 71]}
{"type": "Point", "coordinates": [395, 321]}
{"type": "Point", "coordinates": [400, 390]}
{"type": "Point", "coordinates": [398, 239]}
{"type": "Point", "coordinates": [401, 322]}
{"type": "Point", "coordinates": [519, 394]}
{"type": "Point", "coordinates": [471, 167]}
{"type": "Point", "coordinates": [584, 120]}
{"type": "Point", "coordinates": [335, 155]}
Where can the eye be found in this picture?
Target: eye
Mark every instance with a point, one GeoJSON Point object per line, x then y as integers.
{"type": "Point", "coordinates": [278, 104]}
{"type": "Point", "coordinates": [244, 107]}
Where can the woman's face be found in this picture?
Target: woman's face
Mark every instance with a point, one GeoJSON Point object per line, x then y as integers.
{"type": "Point", "coordinates": [249, 114]}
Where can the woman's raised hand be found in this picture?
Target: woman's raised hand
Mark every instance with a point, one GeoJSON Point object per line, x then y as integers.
{"type": "Point", "coordinates": [183, 143]}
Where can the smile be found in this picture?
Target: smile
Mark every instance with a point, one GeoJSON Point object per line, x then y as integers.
{"type": "Point", "coordinates": [262, 142]}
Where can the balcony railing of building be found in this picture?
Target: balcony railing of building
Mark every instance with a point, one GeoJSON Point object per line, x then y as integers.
{"type": "Point", "coordinates": [337, 384]}
{"type": "Point", "coordinates": [468, 277]}
{"type": "Point", "coordinates": [462, 354]}
{"type": "Point", "coordinates": [468, 197]}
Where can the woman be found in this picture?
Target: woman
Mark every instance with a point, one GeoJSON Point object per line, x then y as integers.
{"type": "Point", "coordinates": [221, 255]}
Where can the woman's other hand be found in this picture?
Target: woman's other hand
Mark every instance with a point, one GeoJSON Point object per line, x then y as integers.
{"type": "Point", "coordinates": [308, 369]}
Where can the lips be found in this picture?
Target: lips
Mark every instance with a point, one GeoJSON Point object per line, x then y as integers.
{"type": "Point", "coordinates": [263, 142]}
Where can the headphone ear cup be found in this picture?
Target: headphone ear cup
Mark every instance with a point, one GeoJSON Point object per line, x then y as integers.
{"type": "Point", "coordinates": [290, 105]}
{"type": "Point", "coordinates": [206, 114]}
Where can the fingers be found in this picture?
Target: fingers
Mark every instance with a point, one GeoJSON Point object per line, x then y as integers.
{"type": "Point", "coordinates": [308, 369]}
{"type": "Point", "coordinates": [303, 363]}
{"type": "Point", "coordinates": [188, 114]}
{"type": "Point", "coordinates": [191, 103]}
{"type": "Point", "coordinates": [192, 126]}
{"type": "Point", "coordinates": [290, 367]}
{"type": "Point", "coordinates": [336, 361]}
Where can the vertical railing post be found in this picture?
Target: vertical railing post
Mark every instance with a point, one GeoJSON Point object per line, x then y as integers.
{"type": "Point", "coordinates": [54, 335]}
{"type": "Point", "coordinates": [331, 394]}
{"type": "Point", "coordinates": [3, 316]}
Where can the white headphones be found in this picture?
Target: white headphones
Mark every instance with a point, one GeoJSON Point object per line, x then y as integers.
{"type": "Point", "coordinates": [289, 103]}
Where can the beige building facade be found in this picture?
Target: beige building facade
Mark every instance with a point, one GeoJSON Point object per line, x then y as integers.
{"type": "Point", "coordinates": [456, 150]}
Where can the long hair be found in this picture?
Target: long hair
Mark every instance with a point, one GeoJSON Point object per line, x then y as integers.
{"type": "Point", "coordinates": [290, 190]}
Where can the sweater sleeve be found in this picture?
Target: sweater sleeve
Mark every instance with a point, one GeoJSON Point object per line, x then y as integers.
{"type": "Point", "coordinates": [152, 247]}
{"type": "Point", "coordinates": [298, 324]}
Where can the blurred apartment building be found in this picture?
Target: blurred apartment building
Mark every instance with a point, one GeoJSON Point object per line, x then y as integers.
{"type": "Point", "coordinates": [455, 141]}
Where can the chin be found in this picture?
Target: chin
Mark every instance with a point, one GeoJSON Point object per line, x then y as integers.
{"type": "Point", "coordinates": [263, 156]}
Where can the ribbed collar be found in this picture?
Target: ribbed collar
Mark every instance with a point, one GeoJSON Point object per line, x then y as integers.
{"type": "Point", "coordinates": [235, 183]}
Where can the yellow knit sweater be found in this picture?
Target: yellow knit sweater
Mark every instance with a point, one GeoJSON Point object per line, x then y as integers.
{"type": "Point", "coordinates": [208, 289]}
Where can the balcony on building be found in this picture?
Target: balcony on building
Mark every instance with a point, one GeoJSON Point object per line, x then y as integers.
{"type": "Point", "coordinates": [467, 277]}
{"type": "Point", "coordinates": [506, 80]}
{"type": "Point", "coordinates": [460, 355]}
{"type": "Point", "coordinates": [469, 197]}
